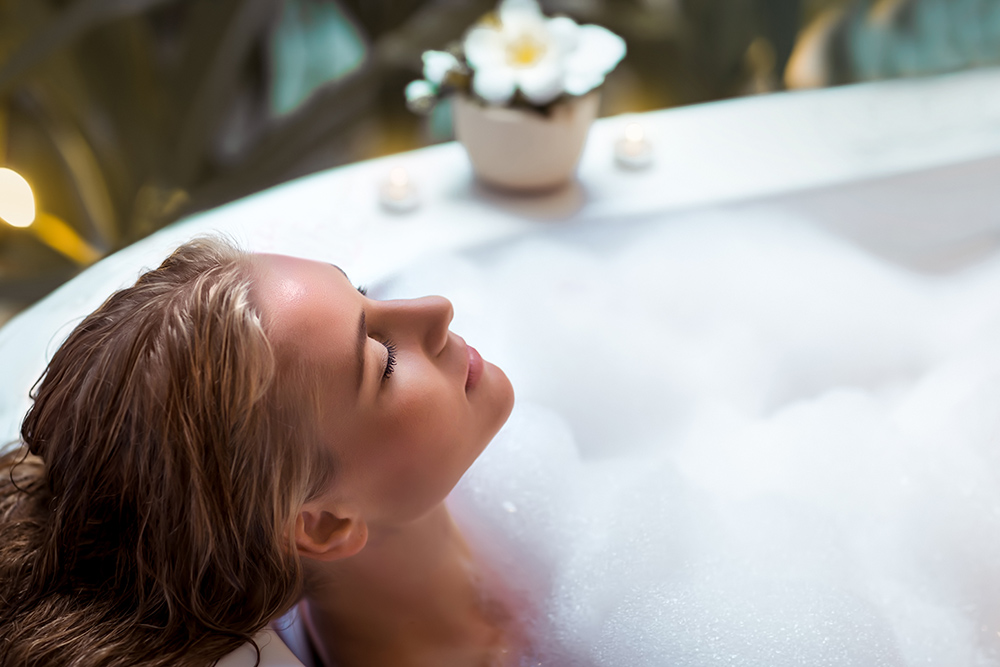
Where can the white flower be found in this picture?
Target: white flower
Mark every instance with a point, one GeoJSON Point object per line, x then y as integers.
{"type": "Point", "coordinates": [420, 95]}
{"type": "Point", "coordinates": [419, 89]}
{"type": "Point", "coordinates": [542, 57]}
{"type": "Point", "coordinates": [437, 64]}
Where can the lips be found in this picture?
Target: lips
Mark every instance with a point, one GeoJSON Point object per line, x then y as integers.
{"type": "Point", "coordinates": [475, 367]}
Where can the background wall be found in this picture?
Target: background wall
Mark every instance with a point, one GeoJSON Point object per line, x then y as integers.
{"type": "Point", "coordinates": [125, 115]}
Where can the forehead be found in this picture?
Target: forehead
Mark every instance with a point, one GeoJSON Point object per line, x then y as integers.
{"type": "Point", "coordinates": [309, 307]}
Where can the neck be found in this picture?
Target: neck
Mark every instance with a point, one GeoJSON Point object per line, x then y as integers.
{"type": "Point", "coordinates": [412, 591]}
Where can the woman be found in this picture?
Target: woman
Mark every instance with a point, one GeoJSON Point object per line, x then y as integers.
{"type": "Point", "coordinates": [225, 429]}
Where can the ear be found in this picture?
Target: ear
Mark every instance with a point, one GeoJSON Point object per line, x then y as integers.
{"type": "Point", "coordinates": [321, 535]}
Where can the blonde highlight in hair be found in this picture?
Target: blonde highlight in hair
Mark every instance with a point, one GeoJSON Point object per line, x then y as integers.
{"type": "Point", "coordinates": [147, 515]}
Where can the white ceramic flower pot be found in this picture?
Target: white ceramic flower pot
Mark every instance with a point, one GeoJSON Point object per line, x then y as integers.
{"type": "Point", "coordinates": [521, 149]}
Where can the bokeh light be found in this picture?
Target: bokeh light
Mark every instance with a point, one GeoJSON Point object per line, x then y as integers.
{"type": "Point", "coordinates": [17, 202]}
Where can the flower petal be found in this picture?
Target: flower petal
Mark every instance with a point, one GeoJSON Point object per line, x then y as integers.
{"type": "Point", "coordinates": [418, 89]}
{"type": "Point", "coordinates": [421, 96]}
{"type": "Point", "coordinates": [437, 64]}
{"type": "Point", "coordinates": [484, 47]}
{"type": "Point", "coordinates": [542, 83]}
{"type": "Point", "coordinates": [581, 83]}
{"type": "Point", "coordinates": [496, 84]}
{"type": "Point", "coordinates": [523, 20]}
{"type": "Point", "coordinates": [563, 33]}
{"type": "Point", "coordinates": [518, 14]}
{"type": "Point", "coordinates": [598, 51]}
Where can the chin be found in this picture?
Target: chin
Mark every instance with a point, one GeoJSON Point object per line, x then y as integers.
{"type": "Point", "coordinates": [503, 396]}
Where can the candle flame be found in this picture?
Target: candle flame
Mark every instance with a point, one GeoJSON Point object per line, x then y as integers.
{"type": "Point", "coordinates": [398, 177]}
{"type": "Point", "coordinates": [17, 202]}
{"type": "Point", "coordinates": [634, 132]}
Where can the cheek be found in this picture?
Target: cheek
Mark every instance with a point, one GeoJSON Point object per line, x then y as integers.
{"type": "Point", "coordinates": [414, 480]}
{"type": "Point", "coordinates": [426, 405]}
{"type": "Point", "coordinates": [416, 459]}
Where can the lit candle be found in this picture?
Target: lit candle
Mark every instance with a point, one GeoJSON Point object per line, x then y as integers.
{"type": "Point", "coordinates": [398, 193]}
{"type": "Point", "coordinates": [633, 150]}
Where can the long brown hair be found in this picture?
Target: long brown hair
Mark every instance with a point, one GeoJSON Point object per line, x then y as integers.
{"type": "Point", "coordinates": [146, 517]}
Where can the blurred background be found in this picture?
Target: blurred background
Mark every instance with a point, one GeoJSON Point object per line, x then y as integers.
{"type": "Point", "coordinates": [125, 115]}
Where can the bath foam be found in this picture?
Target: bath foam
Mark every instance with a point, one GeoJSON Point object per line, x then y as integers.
{"type": "Point", "coordinates": [738, 441]}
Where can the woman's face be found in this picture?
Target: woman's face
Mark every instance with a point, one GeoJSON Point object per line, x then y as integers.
{"type": "Point", "coordinates": [407, 406]}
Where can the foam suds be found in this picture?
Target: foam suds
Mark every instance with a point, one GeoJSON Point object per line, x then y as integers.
{"type": "Point", "coordinates": [738, 441]}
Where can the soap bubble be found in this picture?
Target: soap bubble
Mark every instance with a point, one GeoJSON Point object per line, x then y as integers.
{"type": "Point", "coordinates": [738, 440]}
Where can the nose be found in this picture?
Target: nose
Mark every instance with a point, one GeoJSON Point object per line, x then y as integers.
{"type": "Point", "coordinates": [426, 318]}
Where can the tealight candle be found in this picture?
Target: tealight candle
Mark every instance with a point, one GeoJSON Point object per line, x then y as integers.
{"type": "Point", "coordinates": [398, 193]}
{"type": "Point", "coordinates": [633, 150]}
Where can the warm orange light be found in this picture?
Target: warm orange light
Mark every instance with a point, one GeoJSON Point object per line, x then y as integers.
{"type": "Point", "coordinates": [398, 177]}
{"type": "Point", "coordinates": [17, 208]}
{"type": "Point", "coordinates": [634, 132]}
{"type": "Point", "coordinates": [17, 202]}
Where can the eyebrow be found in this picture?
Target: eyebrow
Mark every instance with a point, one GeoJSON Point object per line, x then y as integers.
{"type": "Point", "coordinates": [362, 342]}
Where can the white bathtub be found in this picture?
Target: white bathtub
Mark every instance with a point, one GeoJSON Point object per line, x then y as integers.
{"type": "Point", "coordinates": [758, 384]}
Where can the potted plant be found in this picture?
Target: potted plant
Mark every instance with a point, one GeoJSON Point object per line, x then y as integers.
{"type": "Point", "coordinates": [526, 91]}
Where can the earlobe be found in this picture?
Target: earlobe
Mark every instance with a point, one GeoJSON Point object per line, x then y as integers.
{"type": "Point", "coordinates": [321, 535]}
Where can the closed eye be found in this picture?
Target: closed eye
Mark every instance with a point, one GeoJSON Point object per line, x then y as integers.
{"type": "Point", "coordinates": [390, 359]}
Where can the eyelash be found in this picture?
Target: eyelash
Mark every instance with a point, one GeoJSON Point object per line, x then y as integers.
{"type": "Point", "coordinates": [390, 347]}
{"type": "Point", "coordinates": [390, 363]}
